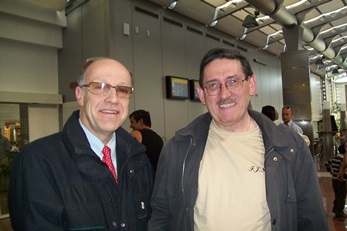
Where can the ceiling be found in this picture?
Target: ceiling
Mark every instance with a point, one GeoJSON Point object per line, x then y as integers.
{"type": "Point", "coordinates": [323, 22]}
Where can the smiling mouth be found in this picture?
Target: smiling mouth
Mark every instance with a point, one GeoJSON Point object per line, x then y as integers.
{"type": "Point", "coordinates": [109, 111]}
{"type": "Point", "coordinates": [227, 105]}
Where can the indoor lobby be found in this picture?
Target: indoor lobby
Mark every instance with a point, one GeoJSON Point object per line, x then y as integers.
{"type": "Point", "coordinates": [297, 50]}
{"type": "Point", "coordinates": [327, 194]}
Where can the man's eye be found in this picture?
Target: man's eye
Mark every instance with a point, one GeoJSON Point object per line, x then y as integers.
{"type": "Point", "coordinates": [214, 85]}
{"type": "Point", "coordinates": [123, 90]}
{"type": "Point", "coordinates": [100, 86]}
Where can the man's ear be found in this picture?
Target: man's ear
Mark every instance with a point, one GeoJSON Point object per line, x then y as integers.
{"type": "Point", "coordinates": [201, 94]}
{"type": "Point", "coordinates": [252, 84]}
{"type": "Point", "coordinates": [79, 95]}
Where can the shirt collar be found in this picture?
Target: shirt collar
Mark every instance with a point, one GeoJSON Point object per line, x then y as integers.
{"type": "Point", "coordinates": [96, 145]}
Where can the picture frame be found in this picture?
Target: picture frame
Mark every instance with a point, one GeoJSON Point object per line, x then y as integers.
{"type": "Point", "coordinates": [193, 92]}
{"type": "Point", "coordinates": [177, 87]}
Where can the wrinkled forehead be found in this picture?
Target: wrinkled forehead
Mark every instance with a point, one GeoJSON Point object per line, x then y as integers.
{"type": "Point", "coordinates": [107, 68]}
{"type": "Point", "coordinates": [223, 68]}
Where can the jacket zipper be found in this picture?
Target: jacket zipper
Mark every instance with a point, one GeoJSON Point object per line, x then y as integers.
{"type": "Point", "coordinates": [184, 166]}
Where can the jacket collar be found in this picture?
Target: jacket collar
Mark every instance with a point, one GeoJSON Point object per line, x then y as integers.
{"type": "Point", "coordinates": [76, 141]}
{"type": "Point", "coordinates": [272, 134]}
{"type": "Point", "coordinates": [126, 145]}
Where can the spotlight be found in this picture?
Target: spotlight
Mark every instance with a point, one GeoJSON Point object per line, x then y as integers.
{"type": "Point", "coordinates": [335, 71]}
{"type": "Point", "coordinates": [172, 5]}
{"type": "Point", "coordinates": [251, 21]}
{"type": "Point", "coordinates": [318, 61]}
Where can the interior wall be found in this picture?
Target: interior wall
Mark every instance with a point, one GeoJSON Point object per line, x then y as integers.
{"type": "Point", "coordinates": [30, 37]}
{"type": "Point", "coordinates": [158, 43]}
{"type": "Point", "coordinates": [43, 120]}
{"type": "Point", "coordinates": [153, 43]}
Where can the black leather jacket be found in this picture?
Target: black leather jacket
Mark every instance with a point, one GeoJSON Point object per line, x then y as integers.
{"type": "Point", "coordinates": [59, 183]}
{"type": "Point", "coordinates": [292, 188]}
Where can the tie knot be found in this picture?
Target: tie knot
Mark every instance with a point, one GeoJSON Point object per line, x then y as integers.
{"type": "Point", "coordinates": [106, 151]}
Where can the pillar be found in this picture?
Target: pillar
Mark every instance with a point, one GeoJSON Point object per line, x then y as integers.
{"type": "Point", "coordinates": [327, 134]}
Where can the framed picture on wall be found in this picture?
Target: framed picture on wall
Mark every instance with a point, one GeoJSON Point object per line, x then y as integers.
{"type": "Point", "coordinates": [193, 92]}
{"type": "Point", "coordinates": [177, 87]}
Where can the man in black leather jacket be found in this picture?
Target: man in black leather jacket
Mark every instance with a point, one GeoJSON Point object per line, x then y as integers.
{"type": "Point", "coordinates": [232, 168]}
{"type": "Point", "coordinates": [61, 183]}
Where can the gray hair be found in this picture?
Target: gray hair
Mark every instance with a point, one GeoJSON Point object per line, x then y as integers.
{"type": "Point", "coordinates": [89, 61]}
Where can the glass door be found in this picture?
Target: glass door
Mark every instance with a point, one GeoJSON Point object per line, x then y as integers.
{"type": "Point", "coordinates": [10, 144]}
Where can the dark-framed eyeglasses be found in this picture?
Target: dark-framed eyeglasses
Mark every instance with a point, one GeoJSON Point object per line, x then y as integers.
{"type": "Point", "coordinates": [103, 89]}
{"type": "Point", "coordinates": [214, 88]}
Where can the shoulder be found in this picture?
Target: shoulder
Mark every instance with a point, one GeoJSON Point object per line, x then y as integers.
{"type": "Point", "coordinates": [47, 149]}
{"type": "Point", "coordinates": [198, 126]}
{"type": "Point", "coordinates": [149, 132]}
{"type": "Point", "coordinates": [137, 135]}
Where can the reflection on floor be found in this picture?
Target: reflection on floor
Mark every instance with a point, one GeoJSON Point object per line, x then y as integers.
{"type": "Point", "coordinates": [328, 198]}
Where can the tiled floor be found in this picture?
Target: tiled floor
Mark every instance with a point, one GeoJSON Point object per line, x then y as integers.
{"type": "Point", "coordinates": [327, 193]}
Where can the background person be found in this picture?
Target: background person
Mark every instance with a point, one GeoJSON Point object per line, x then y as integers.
{"type": "Point", "coordinates": [269, 111]}
{"type": "Point", "coordinates": [333, 166]}
{"type": "Point", "coordinates": [4, 146]}
{"type": "Point", "coordinates": [287, 116]}
{"type": "Point", "coordinates": [63, 182]}
{"type": "Point", "coordinates": [140, 122]}
{"type": "Point", "coordinates": [232, 167]}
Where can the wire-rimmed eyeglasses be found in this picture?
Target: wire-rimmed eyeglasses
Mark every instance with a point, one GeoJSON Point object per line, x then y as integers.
{"type": "Point", "coordinates": [214, 88]}
{"type": "Point", "coordinates": [104, 89]}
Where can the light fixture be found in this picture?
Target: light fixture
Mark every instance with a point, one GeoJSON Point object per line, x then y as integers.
{"type": "Point", "coordinates": [319, 61]}
{"type": "Point", "coordinates": [251, 21]}
{"type": "Point", "coordinates": [335, 71]}
{"type": "Point", "coordinates": [172, 5]}
{"type": "Point", "coordinates": [214, 23]}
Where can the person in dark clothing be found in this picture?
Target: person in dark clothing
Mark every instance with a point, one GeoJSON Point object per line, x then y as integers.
{"type": "Point", "coordinates": [92, 175]}
{"type": "Point", "coordinates": [4, 146]}
{"type": "Point", "coordinates": [140, 122]}
{"type": "Point", "coordinates": [232, 167]}
{"type": "Point", "coordinates": [333, 166]}
{"type": "Point", "coordinates": [269, 111]}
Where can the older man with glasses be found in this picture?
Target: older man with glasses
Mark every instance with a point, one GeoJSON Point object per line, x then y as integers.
{"type": "Point", "coordinates": [232, 168]}
{"type": "Point", "coordinates": [91, 176]}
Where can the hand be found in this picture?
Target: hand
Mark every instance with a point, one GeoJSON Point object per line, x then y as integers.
{"type": "Point", "coordinates": [340, 175]}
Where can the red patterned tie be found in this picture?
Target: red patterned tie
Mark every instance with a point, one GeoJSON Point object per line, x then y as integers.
{"type": "Point", "coordinates": [108, 161]}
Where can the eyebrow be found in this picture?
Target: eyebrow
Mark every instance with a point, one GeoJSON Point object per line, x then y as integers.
{"type": "Point", "coordinates": [229, 77]}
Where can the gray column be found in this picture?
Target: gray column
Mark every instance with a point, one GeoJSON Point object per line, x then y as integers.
{"type": "Point", "coordinates": [327, 134]}
{"type": "Point", "coordinates": [343, 123]}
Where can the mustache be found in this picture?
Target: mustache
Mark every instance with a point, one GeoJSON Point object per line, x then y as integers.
{"type": "Point", "coordinates": [225, 101]}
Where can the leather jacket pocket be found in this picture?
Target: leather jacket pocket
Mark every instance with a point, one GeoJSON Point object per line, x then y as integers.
{"type": "Point", "coordinates": [84, 207]}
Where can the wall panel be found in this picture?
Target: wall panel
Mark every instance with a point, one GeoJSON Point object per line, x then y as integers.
{"type": "Point", "coordinates": [147, 61]}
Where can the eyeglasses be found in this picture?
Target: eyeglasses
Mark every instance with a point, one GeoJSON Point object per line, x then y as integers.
{"type": "Point", "coordinates": [214, 88]}
{"type": "Point", "coordinates": [104, 89]}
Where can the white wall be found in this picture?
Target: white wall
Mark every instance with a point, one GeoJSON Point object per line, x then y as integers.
{"type": "Point", "coordinates": [43, 120]}
{"type": "Point", "coordinates": [161, 43]}
{"type": "Point", "coordinates": [30, 37]}
{"type": "Point", "coordinates": [154, 49]}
